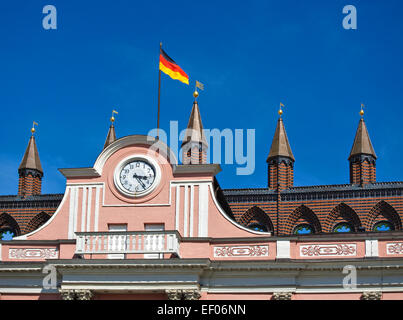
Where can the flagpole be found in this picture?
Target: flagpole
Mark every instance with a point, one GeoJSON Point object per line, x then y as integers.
{"type": "Point", "coordinates": [159, 97]}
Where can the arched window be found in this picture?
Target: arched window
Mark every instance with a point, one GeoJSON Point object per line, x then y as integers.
{"type": "Point", "coordinates": [258, 227]}
{"type": "Point", "coordinates": [303, 228]}
{"type": "Point", "coordinates": [343, 227]}
{"type": "Point", "coordinates": [7, 233]}
{"type": "Point", "coordinates": [383, 226]}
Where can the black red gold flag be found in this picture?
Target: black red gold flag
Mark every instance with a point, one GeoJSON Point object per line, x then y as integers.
{"type": "Point", "coordinates": [170, 67]}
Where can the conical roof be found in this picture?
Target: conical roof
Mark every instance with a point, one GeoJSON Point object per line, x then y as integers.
{"type": "Point", "coordinates": [111, 137]}
{"type": "Point", "coordinates": [31, 157]}
{"type": "Point", "coordinates": [280, 145]}
{"type": "Point", "coordinates": [362, 143]}
{"type": "Point", "coordinates": [194, 131]}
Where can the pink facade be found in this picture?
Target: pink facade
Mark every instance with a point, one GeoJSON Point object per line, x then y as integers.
{"type": "Point", "coordinates": [176, 241]}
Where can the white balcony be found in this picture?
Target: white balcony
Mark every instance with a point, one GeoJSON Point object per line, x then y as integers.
{"type": "Point", "coordinates": [123, 242]}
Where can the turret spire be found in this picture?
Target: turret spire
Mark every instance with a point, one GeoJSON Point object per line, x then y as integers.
{"type": "Point", "coordinates": [362, 142]}
{"type": "Point", "coordinates": [280, 145]}
{"type": "Point", "coordinates": [281, 159]}
{"type": "Point", "coordinates": [30, 170]}
{"type": "Point", "coordinates": [362, 156]}
{"type": "Point", "coordinates": [111, 137]}
{"type": "Point", "coordinates": [194, 144]}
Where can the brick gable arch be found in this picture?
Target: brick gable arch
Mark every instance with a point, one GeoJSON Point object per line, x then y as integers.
{"type": "Point", "coordinates": [305, 213]}
{"type": "Point", "coordinates": [387, 211]}
{"type": "Point", "coordinates": [36, 222]}
{"type": "Point", "coordinates": [256, 214]}
{"type": "Point", "coordinates": [346, 212]}
{"type": "Point", "coordinates": [7, 221]}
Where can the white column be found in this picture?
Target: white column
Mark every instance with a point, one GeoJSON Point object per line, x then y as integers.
{"type": "Point", "coordinates": [371, 248]}
{"type": "Point", "coordinates": [283, 249]}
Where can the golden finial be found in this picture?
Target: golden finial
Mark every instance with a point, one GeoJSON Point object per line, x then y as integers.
{"type": "Point", "coordinates": [200, 86]}
{"type": "Point", "coordinates": [113, 118]}
{"type": "Point", "coordinates": [33, 127]}
{"type": "Point", "coordinates": [362, 110]}
{"type": "Point", "coordinates": [280, 111]}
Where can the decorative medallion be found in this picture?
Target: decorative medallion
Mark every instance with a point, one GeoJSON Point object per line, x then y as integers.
{"type": "Point", "coordinates": [241, 251]}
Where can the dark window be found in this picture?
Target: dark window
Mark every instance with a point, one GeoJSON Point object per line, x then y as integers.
{"type": "Point", "coordinates": [303, 228]}
{"type": "Point", "coordinates": [383, 226]}
{"type": "Point", "coordinates": [7, 234]}
{"type": "Point", "coordinates": [257, 227]}
{"type": "Point", "coordinates": [343, 227]}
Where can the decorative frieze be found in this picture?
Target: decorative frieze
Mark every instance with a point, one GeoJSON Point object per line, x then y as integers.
{"type": "Point", "coordinates": [371, 295]}
{"type": "Point", "coordinates": [394, 248]}
{"type": "Point", "coordinates": [191, 294]}
{"type": "Point", "coordinates": [241, 251]}
{"type": "Point", "coordinates": [282, 296]}
{"type": "Point", "coordinates": [33, 253]}
{"type": "Point", "coordinates": [174, 294]}
{"type": "Point", "coordinates": [185, 294]}
{"type": "Point", "coordinates": [67, 294]}
{"type": "Point", "coordinates": [79, 294]}
{"type": "Point", "coordinates": [328, 250]}
{"type": "Point", "coordinates": [83, 294]}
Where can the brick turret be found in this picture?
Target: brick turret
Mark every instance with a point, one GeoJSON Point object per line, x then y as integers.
{"type": "Point", "coordinates": [30, 170]}
{"type": "Point", "coordinates": [280, 160]}
{"type": "Point", "coordinates": [194, 145]}
{"type": "Point", "coordinates": [362, 157]}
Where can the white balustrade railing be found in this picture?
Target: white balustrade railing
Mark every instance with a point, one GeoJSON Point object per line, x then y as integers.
{"type": "Point", "coordinates": [127, 242]}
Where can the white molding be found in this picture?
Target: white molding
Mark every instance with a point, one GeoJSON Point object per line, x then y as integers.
{"type": "Point", "coordinates": [177, 205]}
{"type": "Point", "coordinates": [191, 215]}
{"type": "Point", "coordinates": [283, 249]}
{"type": "Point", "coordinates": [251, 290]}
{"type": "Point", "coordinates": [24, 237]}
{"type": "Point", "coordinates": [81, 184]}
{"type": "Point", "coordinates": [203, 210]}
{"type": "Point", "coordinates": [83, 208]}
{"type": "Point", "coordinates": [132, 140]}
{"type": "Point", "coordinates": [195, 182]}
{"type": "Point", "coordinates": [220, 210]}
{"type": "Point", "coordinates": [89, 203]}
{"type": "Point", "coordinates": [96, 213]}
{"type": "Point", "coordinates": [75, 215]}
{"type": "Point", "coordinates": [26, 290]}
{"type": "Point", "coordinates": [186, 212]}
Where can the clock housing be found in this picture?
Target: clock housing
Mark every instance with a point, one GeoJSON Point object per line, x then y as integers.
{"type": "Point", "coordinates": [137, 175]}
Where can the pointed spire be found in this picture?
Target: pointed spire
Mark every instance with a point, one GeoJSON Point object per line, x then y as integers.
{"type": "Point", "coordinates": [31, 155]}
{"type": "Point", "coordinates": [194, 131]}
{"type": "Point", "coordinates": [111, 137]}
{"type": "Point", "coordinates": [280, 145]}
{"type": "Point", "coordinates": [362, 143]}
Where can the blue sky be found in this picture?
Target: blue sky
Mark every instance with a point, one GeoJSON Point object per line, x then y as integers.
{"type": "Point", "coordinates": [250, 55]}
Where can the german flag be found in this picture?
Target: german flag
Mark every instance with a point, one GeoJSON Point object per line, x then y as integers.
{"type": "Point", "coordinates": [169, 67]}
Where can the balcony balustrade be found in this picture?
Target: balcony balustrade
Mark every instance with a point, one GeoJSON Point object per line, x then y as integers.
{"type": "Point", "coordinates": [123, 242]}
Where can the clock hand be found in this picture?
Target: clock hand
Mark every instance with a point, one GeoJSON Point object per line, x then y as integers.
{"type": "Point", "coordinates": [141, 177]}
{"type": "Point", "coordinates": [141, 182]}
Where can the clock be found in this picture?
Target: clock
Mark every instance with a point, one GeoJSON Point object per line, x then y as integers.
{"type": "Point", "coordinates": [137, 176]}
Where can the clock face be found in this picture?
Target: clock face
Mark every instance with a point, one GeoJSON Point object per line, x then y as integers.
{"type": "Point", "coordinates": [137, 176]}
